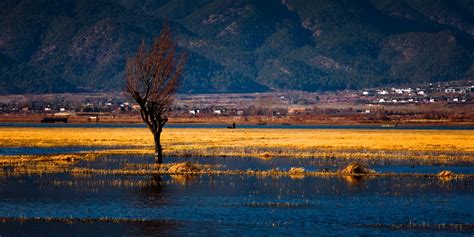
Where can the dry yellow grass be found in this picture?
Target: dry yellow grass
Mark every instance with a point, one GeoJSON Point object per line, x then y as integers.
{"type": "Point", "coordinates": [439, 144]}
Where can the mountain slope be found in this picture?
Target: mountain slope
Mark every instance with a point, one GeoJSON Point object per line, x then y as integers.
{"type": "Point", "coordinates": [238, 45]}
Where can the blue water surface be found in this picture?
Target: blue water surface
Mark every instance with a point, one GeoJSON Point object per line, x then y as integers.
{"type": "Point", "coordinates": [239, 205]}
{"type": "Point", "coordinates": [246, 126]}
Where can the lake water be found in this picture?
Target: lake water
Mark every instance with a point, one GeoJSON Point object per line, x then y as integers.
{"type": "Point", "coordinates": [283, 163]}
{"type": "Point", "coordinates": [249, 126]}
{"type": "Point", "coordinates": [236, 205]}
{"type": "Point", "coordinates": [240, 205]}
{"type": "Point", "coordinates": [12, 151]}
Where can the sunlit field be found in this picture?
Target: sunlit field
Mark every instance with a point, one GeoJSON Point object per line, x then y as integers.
{"type": "Point", "coordinates": [423, 144]}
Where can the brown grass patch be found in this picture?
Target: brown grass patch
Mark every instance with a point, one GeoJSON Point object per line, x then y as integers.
{"type": "Point", "coordinates": [355, 168]}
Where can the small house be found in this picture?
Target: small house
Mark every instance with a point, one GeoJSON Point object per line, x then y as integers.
{"type": "Point", "coordinates": [194, 111]}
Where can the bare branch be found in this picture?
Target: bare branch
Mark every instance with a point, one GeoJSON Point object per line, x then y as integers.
{"type": "Point", "coordinates": [153, 77]}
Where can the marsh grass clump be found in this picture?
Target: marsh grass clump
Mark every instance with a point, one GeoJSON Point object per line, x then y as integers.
{"type": "Point", "coordinates": [183, 167]}
{"type": "Point", "coordinates": [297, 170]}
{"type": "Point", "coordinates": [446, 173]}
{"type": "Point", "coordinates": [265, 155]}
{"type": "Point", "coordinates": [356, 168]}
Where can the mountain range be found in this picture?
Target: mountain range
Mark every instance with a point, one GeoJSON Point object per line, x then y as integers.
{"type": "Point", "coordinates": [237, 45]}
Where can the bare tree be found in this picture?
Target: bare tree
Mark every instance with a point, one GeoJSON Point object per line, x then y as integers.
{"type": "Point", "coordinates": [152, 78]}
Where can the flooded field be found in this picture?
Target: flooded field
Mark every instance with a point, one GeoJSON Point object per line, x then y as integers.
{"type": "Point", "coordinates": [70, 181]}
{"type": "Point", "coordinates": [235, 204]}
{"type": "Point", "coordinates": [282, 163]}
{"type": "Point", "coordinates": [91, 204]}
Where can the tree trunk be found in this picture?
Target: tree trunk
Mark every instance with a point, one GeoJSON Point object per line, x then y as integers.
{"type": "Point", "coordinates": [158, 149]}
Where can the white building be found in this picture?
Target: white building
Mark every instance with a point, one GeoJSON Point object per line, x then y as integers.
{"type": "Point", "coordinates": [402, 90]}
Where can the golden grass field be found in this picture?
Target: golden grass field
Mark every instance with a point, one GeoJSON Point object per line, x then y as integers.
{"type": "Point", "coordinates": [423, 144]}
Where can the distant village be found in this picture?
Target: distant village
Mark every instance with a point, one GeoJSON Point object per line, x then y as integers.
{"type": "Point", "coordinates": [450, 92]}
{"type": "Point", "coordinates": [450, 97]}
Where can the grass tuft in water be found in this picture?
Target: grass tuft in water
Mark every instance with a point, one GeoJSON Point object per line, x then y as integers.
{"type": "Point", "coordinates": [356, 168]}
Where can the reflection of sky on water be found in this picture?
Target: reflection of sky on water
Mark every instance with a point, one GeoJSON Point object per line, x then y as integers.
{"type": "Point", "coordinates": [224, 205]}
{"type": "Point", "coordinates": [248, 204]}
{"type": "Point", "coordinates": [45, 150]}
{"type": "Point", "coordinates": [310, 164]}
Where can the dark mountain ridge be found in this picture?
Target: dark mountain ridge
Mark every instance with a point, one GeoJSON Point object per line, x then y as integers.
{"type": "Point", "coordinates": [238, 46]}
